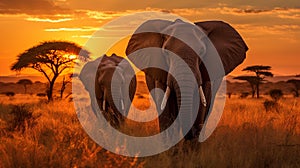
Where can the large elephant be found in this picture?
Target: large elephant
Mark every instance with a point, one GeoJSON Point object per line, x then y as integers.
{"type": "Point", "coordinates": [190, 43]}
{"type": "Point", "coordinates": [102, 89]}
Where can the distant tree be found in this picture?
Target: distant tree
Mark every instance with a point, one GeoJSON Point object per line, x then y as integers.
{"type": "Point", "coordinates": [41, 94]}
{"type": "Point", "coordinates": [298, 75]}
{"type": "Point", "coordinates": [244, 95]}
{"type": "Point", "coordinates": [261, 71]}
{"type": "Point", "coordinates": [229, 94]}
{"type": "Point", "coordinates": [25, 82]}
{"type": "Point", "coordinates": [252, 80]}
{"type": "Point", "coordinates": [51, 59]}
{"type": "Point", "coordinates": [296, 84]}
{"type": "Point", "coordinates": [9, 94]}
{"type": "Point", "coordinates": [276, 94]}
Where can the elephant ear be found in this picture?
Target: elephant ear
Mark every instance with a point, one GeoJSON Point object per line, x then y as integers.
{"type": "Point", "coordinates": [88, 74]}
{"type": "Point", "coordinates": [228, 42]}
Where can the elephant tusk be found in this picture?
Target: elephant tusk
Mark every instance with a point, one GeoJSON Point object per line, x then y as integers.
{"type": "Point", "coordinates": [202, 97]}
{"type": "Point", "coordinates": [104, 102]}
{"type": "Point", "coordinates": [122, 105]}
{"type": "Point", "coordinates": [103, 105]}
{"type": "Point", "coordinates": [165, 98]}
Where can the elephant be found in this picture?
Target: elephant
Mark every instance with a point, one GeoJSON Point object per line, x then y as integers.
{"type": "Point", "coordinates": [166, 37]}
{"type": "Point", "coordinates": [101, 90]}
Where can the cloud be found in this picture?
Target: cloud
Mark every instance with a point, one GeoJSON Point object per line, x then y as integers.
{"type": "Point", "coordinates": [273, 29]}
{"type": "Point", "coordinates": [73, 29]}
{"type": "Point", "coordinates": [279, 32]}
{"type": "Point", "coordinates": [291, 13]}
{"type": "Point", "coordinates": [30, 7]}
{"type": "Point", "coordinates": [119, 5]}
{"type": "Point", "coordinates": [36, 19]}
{"type": "Point", "coordinates": [103, 15]}
{"type": "Point", "coordinates": [82, 36]}
{"type": "Point", "coordinates": [94, 37]}
{"type": "Point", "coordinates": [285, 13]}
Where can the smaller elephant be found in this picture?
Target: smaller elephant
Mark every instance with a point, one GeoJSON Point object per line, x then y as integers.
{"type": "Point", "coordinates": [101, 92]}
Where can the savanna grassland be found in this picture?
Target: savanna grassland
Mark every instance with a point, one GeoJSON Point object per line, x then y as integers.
{"type": "Point", "coordinates": [39, 134]}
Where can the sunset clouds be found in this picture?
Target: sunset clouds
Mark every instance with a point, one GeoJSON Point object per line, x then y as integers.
{"type": "Point", "coordinates": [36, 19]}
{"type": "Point", "coordinates": [72, 29]}
{"type": "Point", "coordinates": [30, 7]}
{"type": "Point", "coordinates": [270, 28]}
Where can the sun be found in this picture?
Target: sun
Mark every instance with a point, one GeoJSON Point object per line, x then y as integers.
{"type": "Point", "coordinates": [72, 56]}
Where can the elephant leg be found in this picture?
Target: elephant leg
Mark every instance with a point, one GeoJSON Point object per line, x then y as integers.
{"type": "Point", "coordinates": [169, 114]}
{"type": "Point", "coordinates": [197, 126]}
{"type": "Point", "coordinates": [210, 91]}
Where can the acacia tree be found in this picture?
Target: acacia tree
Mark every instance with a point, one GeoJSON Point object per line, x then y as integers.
{"type": "Point", "coordinates": [252, 80]}
{"type": "Point", "coordinates": [261, 72]}
{"type": "Point", "coordinates": [51, 59]}
{"type": "Point", "coordinates": [25, 82]}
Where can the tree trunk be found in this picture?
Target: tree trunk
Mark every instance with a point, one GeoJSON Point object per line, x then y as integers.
{"type": "Point", "coordinates": [25, 89]}
{"type": "Point", "coordinates": [63, 87]}
{"type": "Point", "coordinates": [253, 91]}
{"type": "Point", "coordinates": [296, 93]}
{"type": "Point", "coordinates": [50, 91]}
{"type": "Point", "coordinates": [51, 86]}
{"type": "Point", "coordinates": [257, 90]}
{"type": "Point", "coordinates": [61, 93]}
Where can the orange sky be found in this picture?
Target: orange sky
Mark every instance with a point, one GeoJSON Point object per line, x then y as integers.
{"type": "Point", "coordinates": [271, 30]}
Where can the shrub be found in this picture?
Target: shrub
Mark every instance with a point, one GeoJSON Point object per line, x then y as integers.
{"type": "Point", "coordinates": [41, 94]}
{"type": "Point", "coordinates": [229, 94]}
{"type": "Point", "coordinates": [270, 105]}
{"type": "Point", "coordinates": [22, 117]}
{"type": "Point", "coordinates": [276, 94]}
{"type": "Point", "coordinates": [244, 95]}
{"type": "Point", "coordinates": [9, 94]}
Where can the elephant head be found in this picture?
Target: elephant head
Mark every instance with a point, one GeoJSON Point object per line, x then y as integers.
{"type": "Point", "coordinates": [188, 42]}
{"type": "Point", "coordinates": [103, 91]}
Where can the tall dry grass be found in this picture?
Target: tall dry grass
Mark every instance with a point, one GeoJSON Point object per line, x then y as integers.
{"type": "Point", "coordinates": [57, 140]}
{"type": "Point", "coordinates": [247, 136]}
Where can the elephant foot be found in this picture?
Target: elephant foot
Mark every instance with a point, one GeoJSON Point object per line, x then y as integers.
{"type": "Point", "coordinates": [193, 134]}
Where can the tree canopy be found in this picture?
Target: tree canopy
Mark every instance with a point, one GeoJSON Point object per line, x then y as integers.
{"type": "Point", "coordinates": [261, 71]}
{"type": "Point", "coordinates": [257, 68]}
{"type": "Point", "coordinates": [51, 58]}
{"type": "Point", "coordinates": [252, 80]}
{"type": "Point", "coordinates": [25, 82]}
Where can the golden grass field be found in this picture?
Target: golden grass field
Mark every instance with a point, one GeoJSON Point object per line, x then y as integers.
{"type": "Point", "coordinates": [246, 136]}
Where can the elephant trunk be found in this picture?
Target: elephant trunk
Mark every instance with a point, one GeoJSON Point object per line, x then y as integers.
{"type": "Point", "coordinates": [184, 88]}
{"type": "Point", "coordinates": [184, 95]}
